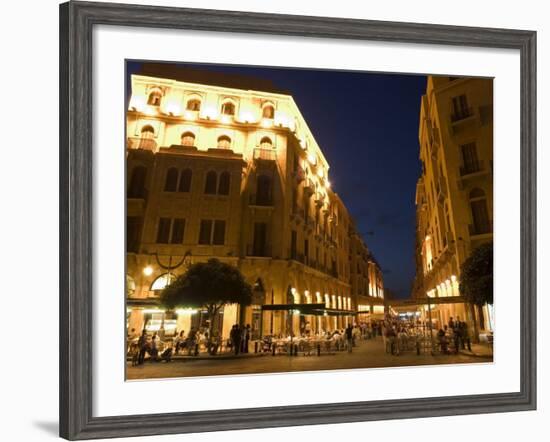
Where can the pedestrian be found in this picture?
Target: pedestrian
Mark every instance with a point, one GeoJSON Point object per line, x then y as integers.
{"type": "Point", "coordinates": [466, 336]}
{"type": "Point", "coordinates": [451, 323]}
{"type": "Point", "coordinates": [180, 342]}
{"type": "Point", "coordinates": [349, 337]}
{"type": "Point", "coordinates": [192, 342]}
{"type": "Point", "coordinates": [236, 336]}
{"type": "Point", "coordinates": [246, 338]}
{"type": "Point", "coordinates": [154, 350]}
{"type": "Point", "coordinates": [442, 337]}
{"type": "Point", "coordinates": [142, 345]}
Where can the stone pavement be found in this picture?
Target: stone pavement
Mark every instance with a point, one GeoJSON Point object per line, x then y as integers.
{"type": "Point", "coordinates": [368, 354]}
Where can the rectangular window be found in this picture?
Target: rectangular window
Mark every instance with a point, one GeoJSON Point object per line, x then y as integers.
{"type": "Point", "coordinates": [205, 231]}
{"type": "Point", "coordinates": [469, 158]}
{"type": "Point", "coordinates": [178, 230]}
{"type": "Point", "coordinates": [219, 232]}
{"type": "Point", "coordinates": [293, 245]}
{"type": "Point", "coordinates": [260, 239]}
{"type": "Point", "coordinates": [163, 232]}
{"type": "Point", "coordinates": [306, 250]}
{"type": "Point", "coordinates": [133, 231]}
{"type": "Point", "coordinates": [460, 108]}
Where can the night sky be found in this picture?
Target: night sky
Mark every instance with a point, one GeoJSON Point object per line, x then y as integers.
{"type": "Point", "coordinates": [367, 127]}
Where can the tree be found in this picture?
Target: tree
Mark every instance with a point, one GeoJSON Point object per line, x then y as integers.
{"type": "Point", "coordinates": [476, 280]}
{"type": "Point", "coordinates": [209, 285]}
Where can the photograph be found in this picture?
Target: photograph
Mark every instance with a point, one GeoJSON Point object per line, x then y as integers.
{"type": "Point", "coordinates": [283, 219]}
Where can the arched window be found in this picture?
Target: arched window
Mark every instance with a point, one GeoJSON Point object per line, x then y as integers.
{"type": "Point", "coordinates": [480, 215]}
{"type": "Point", "coordinates": [268, 112]}
{"type": "Point", "coordinates": [223, 187]}
{"type": "Point", "coordinates": [130, 285]}
{"type": "Point", "coordinates": [136, 186]}
{"type": "Point", "coordinates": [228, 108]}
{"type": "Point", "coordinates": [154, 97]}
{"type": "Point", "coordinates": [211, 183]}
{"type": "Point", "coordinates": [266, 143]}
{"type": "Point", "coordinates": [147, 131]}
{"type": "Point", "coordinates": [263, 191]}
{"type": "Point", "coordinates": [162, 281]}
{"type": "Point", "coordinates": [185, 180]}
{"type": "Point", "coordinates": [224, 142]}
{"type": "Point", "coordinates": [188, 139]}
{"type": "Point", "coordinates": [171, 180]}
{"type": "Point", "coordinates": [194, 105]}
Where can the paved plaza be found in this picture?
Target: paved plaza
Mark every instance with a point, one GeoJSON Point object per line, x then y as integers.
{"type": "Point", "coordinates": [367, 354]}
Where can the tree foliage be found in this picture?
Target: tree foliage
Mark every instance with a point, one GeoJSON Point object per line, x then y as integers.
{"type": "Point", "coordinates": [476, 282]}
{"type": "Point", "coordinates": [208, 285]}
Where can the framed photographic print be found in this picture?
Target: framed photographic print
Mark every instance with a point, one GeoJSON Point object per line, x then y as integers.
{"type": "Point", "coordinates": [272, 220]}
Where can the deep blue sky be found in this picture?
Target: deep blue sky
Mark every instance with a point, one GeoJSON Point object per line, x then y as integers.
{"type": "Point", "coordinates": [367, 127]}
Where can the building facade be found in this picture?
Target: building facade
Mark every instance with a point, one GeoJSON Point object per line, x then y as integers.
{"type": "Point", "coordinates": [454, 195]}
{"type": "Point", "coordinates": [235, 174]}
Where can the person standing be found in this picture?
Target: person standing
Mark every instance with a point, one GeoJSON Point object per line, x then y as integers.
{"type": "Point", "coordinates": [466, 336]}
{"type": "Point", "coordinates": [142, 345]}
{"type": "Point", "coordinates": [246, 338]}
{"type": "Point", "coordinates": [349, 337]}
{"type": "Point", "coordinates": [236, 337]}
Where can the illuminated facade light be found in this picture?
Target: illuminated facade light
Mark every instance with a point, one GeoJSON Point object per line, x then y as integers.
{"type": "Point", "coordinates": [148, 271]}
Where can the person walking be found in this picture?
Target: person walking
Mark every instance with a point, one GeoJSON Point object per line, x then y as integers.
{"type": "Point", "coordinates": [349, 337]}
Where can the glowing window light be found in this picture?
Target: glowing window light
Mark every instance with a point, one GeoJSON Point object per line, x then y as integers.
{"type": "Point", "coordinates": [137, 103]}
{"type": "Point", "coordinates": [150, 110]}
{"type": "Point", "coordinates": [247, 117]}
{"type": "Point", "coordinates": [173, 108]}
{"type": "Point", "coordinates": [210, 113]}
{"type": "Point", "coordinates": [162, 281]}
{"type": "Point", "coordinates": [186, 311]}
{"type": "Point", "coordinates": [311, 158]}
{"type": "Point", "coordinates": [190, 115]}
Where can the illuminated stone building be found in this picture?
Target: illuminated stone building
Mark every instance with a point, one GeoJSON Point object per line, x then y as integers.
{"type": "Point", "coordinates": [235, 174]}
{"type": "Point", "coordinates": [454, 195]}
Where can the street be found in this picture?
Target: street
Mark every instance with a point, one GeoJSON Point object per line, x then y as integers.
{"type": "Point", "coordinates": [367, 354]}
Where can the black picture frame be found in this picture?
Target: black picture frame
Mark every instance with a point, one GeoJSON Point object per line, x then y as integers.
{"type": "Point", "coordinates": [77, 20]}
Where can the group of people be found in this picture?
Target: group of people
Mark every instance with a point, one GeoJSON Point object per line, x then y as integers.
{"type": "Point", "coordinates": [239, 338]}
{"type": "Point", "coordinates": [455, 332]}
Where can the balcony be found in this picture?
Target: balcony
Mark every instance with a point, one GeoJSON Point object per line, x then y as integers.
{"type": "Point", "coordinates": [259, 200]}
{"type": "Point", "coordinates": [483, 228]}
{"type": "Point", "coordinates": [141, 143]}
{"type": "Point", "coordinates": [259, 250]}
{"type": "Point", "coordinates": [462, 114]}
{"type": "Point", "coordinates": [471, 168]}
{"type": "Point", "coordinates": [309, 224]}
{"type": "Point", "coordinates": [441, 190]}
{"type": "Point", "coordinates": [265, 154]}
{"type": "Point", "coordinates": [309, 187]}
{"type": "Point", "coordinates": [298, 174]}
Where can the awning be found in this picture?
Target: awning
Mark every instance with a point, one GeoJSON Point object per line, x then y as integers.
{"type": "Point", "coordinates": [308, 309]}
